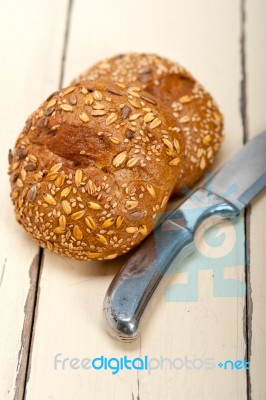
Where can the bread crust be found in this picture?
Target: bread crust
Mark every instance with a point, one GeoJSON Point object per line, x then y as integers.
{"type": "Point", "coordinates": [93, 166]}
{"type": "Point", "coordinates": [191, 105]}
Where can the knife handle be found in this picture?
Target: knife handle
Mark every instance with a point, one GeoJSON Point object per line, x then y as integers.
{"type": "Point", "coordinates": [137, 285]}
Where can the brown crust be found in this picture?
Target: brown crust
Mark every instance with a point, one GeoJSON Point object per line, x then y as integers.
{"type": "Point", "coordinates": [92, 167]}
{"type": "Point", "coordinates": [191, 105]}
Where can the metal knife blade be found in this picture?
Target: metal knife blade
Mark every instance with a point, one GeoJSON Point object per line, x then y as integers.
{"type": "Point", "coordinates": [137, 285]}
{"type": "Point", "coordinates": [244, 176]}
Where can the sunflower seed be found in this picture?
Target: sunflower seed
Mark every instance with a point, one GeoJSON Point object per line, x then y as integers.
{"type": "Point", "coordinates": [31, 195]}
{"type": "Point", "coordinates": [48, 111]}
{"type": "Point", "coordinates": [10, 156]}
{"type": "Point", "coordinates": [115, 91]}
{"type": "Point", "coordinates": [73, 100]}
{"type": "Point", "coordinates": [129, 134]}
{"type": "Point", "coordinates": [164, 201]}
{"type": "Point", "coordinates": [125, 112]}
{"type": "Point", "coordinates": [30, 167]}
{"type": "Point", "coordinates": [148, 99]}
{"type": "Point", "coordinates": [21, 153]}
{"type": "Point", "coordinates": [145, 70]}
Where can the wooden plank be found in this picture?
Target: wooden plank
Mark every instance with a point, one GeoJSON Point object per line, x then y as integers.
{"type": "Point", "coordinates": [256, 96]}
{"type": "Point", "coordinates": [194, 33]}
{"type": "Point", "coordinates": [31, 42]}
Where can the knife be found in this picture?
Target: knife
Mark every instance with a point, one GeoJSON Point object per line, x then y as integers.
{"type": "Point", "coordinates": [135, 288]}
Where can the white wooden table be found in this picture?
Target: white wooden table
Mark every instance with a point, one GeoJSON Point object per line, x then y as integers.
{"type": "Point", "coordinates": [51, 305]}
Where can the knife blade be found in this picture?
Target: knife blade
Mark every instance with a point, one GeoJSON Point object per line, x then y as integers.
{"type": "Point", "coordinates": [135, 288]}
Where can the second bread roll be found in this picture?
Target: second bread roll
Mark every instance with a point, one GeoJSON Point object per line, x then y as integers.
{"type": "Point", "coordinates": [191, 105]}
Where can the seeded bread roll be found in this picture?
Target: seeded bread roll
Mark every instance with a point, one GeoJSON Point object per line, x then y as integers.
{"type": "Point", "coordinates": [191, 105]}
{"type": "Point", "coordinates": [92, 167]}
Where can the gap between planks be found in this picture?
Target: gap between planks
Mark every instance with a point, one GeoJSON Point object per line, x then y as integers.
{"type": "Point", "coordinates": [247, 315]}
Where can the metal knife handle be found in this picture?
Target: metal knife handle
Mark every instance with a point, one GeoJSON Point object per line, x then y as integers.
{"type": "Point", "coordinates": [137, 285]}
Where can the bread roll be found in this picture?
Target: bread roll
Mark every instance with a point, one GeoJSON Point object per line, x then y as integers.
{"type": "Point", "coordinates": [192, 107]}
{"type": "Point", "coordinates": [93, 166]}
